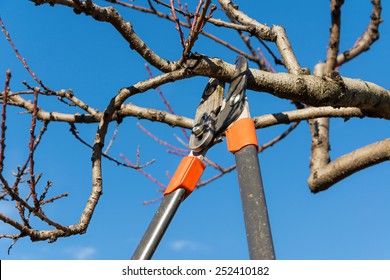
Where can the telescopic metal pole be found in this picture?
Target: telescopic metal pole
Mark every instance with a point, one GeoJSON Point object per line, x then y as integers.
{"type": "Point", "coordinates": [159, 225]}
{"type": "Point", "coordinates": [254, 205]}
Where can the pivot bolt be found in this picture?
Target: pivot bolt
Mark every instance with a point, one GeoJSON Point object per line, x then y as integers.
{"type": "Point", "coordinates": [198, 129]}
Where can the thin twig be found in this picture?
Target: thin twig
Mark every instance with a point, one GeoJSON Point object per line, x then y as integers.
{"type": "Point", "coordinates": [219, 175]}
{"type": "Point", "coordinates": [24, 205]}
{"type": "Point", "coordinates": [153, 200]}
{"type": "Point", "coordinates": [160, 141]}
{"type": "Point", "coordinates": [166, 102]}
{"type": "Point", "coordinates": [7, 35]}
{"type": "Point", "coordinates": [31, 146]}
{"type": "Point", "coordinates": [41, 132]}
{"type": "Point", "coordinates": [178, 25]}
{"type": "Point", "coordinates": [277, 60]}
{"type": "Point", "coordinates": [247, 42]}
{"type": "Point", "coordinates": [3, 119]}
{"type": "Point", "coordinates": [216, 22]}
{"type": "Point", "coordinates": [265, 62]}
{"type": "Point", "coordinates": [278, 138]}
{"type": "Point", "coordinates": [112, 139]}
{"type": "Point", "coordinates": [147, 175]}
{"type": "Point", "coordinates": [54, 198]}
{"type": "Point", "coordinates": [196, 27]}
{"type": "Point", "coordinates": [75, 133]}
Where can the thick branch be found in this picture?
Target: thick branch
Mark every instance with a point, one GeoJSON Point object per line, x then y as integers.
{"type": "Point", "coordinates": [348, 164]}
{"type": "Point", "coordinates": [320, 127]}
{"type": "Point", "coordinates": [306, 114]}
{"type": "Point", "coordinates": [126, 110]}
{"type": "Point", "coordinates": [332, 90]}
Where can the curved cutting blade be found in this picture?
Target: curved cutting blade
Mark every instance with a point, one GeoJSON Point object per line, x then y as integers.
{"type": "Point", "coordinates": [235, 99]}
{"type": "Point", "coordinates": [203, 131]}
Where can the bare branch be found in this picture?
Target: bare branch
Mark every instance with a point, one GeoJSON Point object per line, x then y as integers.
{"type": "Point", "coordinates": [267, 65]}
{"type": "Point", "coordinates": [349, 164]}
{"type": "Point", "coordinates": [219, 175]}
{"type": "Point", "coordinates": [331, 90]}
{"type": "Point", "coordinates": [3, 119]}
{"type": "Point", "coordinates": [167, 105]}
{"type": "Point", "coordinates": [278, 138]}
{"type": "Point", "coordinates": [20, 57]}
{"type": "Point", "coordinates": [24, 204]}
{"type": "Point", "coordinates": [143, 172]}
{"type": "Point", "coordinates": [160, 141]}
{"type": "Point", "coordinates": [75, 133]}
{"type": "Point", "coordinates": [275, 34]}
{"type": "Point", "coordinates": [334, 39]}
{"type": "Point", "coordinates": [75, 101]}
{"type": "Point", "coordinates": [319, 129]}
{"type": "Point", "coordinates": [178, 26]}
{"type": "Point", "coordinates": [31, 146]}
{"type": "Point", "coordinates": [247, 42]}
{"type": "Point", "coordinates": [306, 114]}
{"type": "Point", "coordinates": [335, 96]}
{"type": "Point", "coordinates": [257, 29]}
{"type": "Point", "coordinates": [112, 139]}
{"type": "Point", "coordinates": [196, 27]}
{"type": "Point", "coordinates": [368, 37]}
{"type": "Point", "coordinates": [289, 59]}
{"type": "Point", "coordinates": [115, 104]}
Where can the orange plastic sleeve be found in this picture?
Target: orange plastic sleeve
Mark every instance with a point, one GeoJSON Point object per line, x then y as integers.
{"type": "Point", "coordinates": [187, 175]}
{"type": "Point", "coordinates": [240, 134]}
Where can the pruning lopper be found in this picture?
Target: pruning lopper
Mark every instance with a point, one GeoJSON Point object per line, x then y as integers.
{"type": "Point", "coordinates": [214, 118]}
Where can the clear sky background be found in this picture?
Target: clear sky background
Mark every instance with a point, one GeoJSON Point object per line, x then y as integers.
{"type": "Point", "coordinates": [349, 221]}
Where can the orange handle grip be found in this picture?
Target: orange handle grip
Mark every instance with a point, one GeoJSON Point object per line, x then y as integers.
{"type": "Point", "coordinates": [240, 134]}
{"type": "Point", "coordinates": [187, 175]}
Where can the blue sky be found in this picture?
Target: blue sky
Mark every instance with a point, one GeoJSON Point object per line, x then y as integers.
{"type": "Point", "coordinates": [348, 221]}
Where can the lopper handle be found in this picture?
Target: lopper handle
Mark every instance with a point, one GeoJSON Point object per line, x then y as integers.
{"type": "Point", "coordinates": [242, 142]}
{"type": "Point", "coordinates": [159, 225]}
{"type": "Point", "coordinates": [181, 185]}
{"type": "Point", "coordinates": [254, 204]}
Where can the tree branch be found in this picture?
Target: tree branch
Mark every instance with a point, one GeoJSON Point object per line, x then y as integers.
{"type": "Point", "coordinates": [332, 90]}
{"type": "Point", "coordinates": [370, 35]}
{"type": "Point", "coordinates": [306, 114]}
{"type": "Point", "coordinates": [257, 29]}
{"type": "Point", "coordinates": [319, 129]}
{"type": "Point", "coordinates": [3, 119]}
{"type": "Point", "coordinates": [323, 178]}
{"type": "Point", "coordinates": [334, 39]}
{"type": "Point", "coordinates": [275, 34]}
{"type": "Point", "coordinates": [24, 62]}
